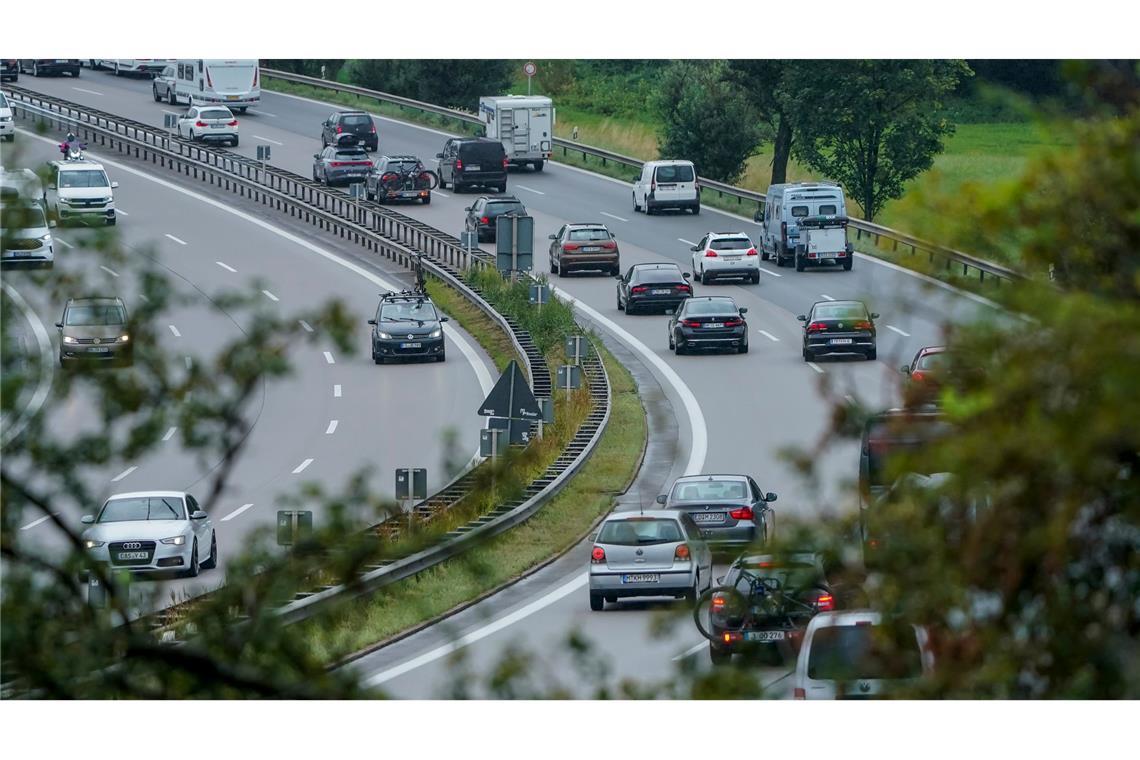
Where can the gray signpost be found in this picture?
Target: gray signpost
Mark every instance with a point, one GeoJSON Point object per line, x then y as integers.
{"type": "Point", "coordinates": [569, 377]}
{"type": "Point", "coordinates": [491, 442]}
{"type": "Point", "coordinates": [293, 525]}
{"type": "Point", "coordinates": [411, 484]}
{"type": "Point", "coordinates": [539, 294]}
{"type": "Point", "coordinates": [514, 243]}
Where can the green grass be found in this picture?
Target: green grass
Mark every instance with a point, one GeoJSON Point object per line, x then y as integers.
{"type": "Point", "coordinates": [558, 525]}
{"type": "Point", "coordinates": [488, 334]}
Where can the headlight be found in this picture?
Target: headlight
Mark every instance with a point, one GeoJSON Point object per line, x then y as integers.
{"type": "Point", "coordinates": [124, 338]}
{"type": "Point", "coordinates": [108, 199]}
{"type": "Point", "coordinates": [5, 118]}
{"type": "Point", "coordinates": [46, 238]}
{"type": "Point", "coordinates": [436, 332]}
{"type": "Point", "coordinates": [176, 540]}
{"type": "Point", "coordinates": [93, 544]}
{"type": "Point", "coordinates": [383, 335]}
{"type": "Point", "coordinates": [68, 339]}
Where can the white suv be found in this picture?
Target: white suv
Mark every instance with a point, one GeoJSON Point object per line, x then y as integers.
{"type": "Point", "coordinates": [723, 255]}
{"type": "Point", "coordinates": [80, 191]}
{"type": "Point", "coordinates": [667, 184]}
{"type": "Point", "coordinates": [209, 124]}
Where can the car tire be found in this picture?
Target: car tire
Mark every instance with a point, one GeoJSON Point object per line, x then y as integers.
{"type": "Point", "coordinates": [873, 354]}
{"type": "Point", "coordinates": [692, 594]}
{"type": "Point", "coordinates": [671, 343]}
{"type": "Point", "coordinates": [799, 263]}
{"type": "Point", "coordinates": [597, 602]}
{"type": "Point", "coordinates": [636, 208]}
{"type": "Point", "coordinates": [538, 165]}
{"type": "Point", "coordinates": [315, 175]}
{"type": "Point", "coordinates": [503, 188]}
{"type": "Point", "coordinates": [441, 357]}
{"type": "Point", "coordinates": [849, 262]}
{"type": "Point", "coordinates": [212, 561]}
{"type": "Point", "coordinates": [648, 208]}
{"type": "Point", "coordinates": [192, 137]}
{"type": "Point", "coordinates": [719, 656]}
{"type": "Point", "coordinates": [755, 278]}
{"type": "Point", "coordinates": [195, 567]}
{"type": "Point", "coordinates": [236, 140]}
{"type": "Point", "coordinates": [171, 98]}
{"type": "Point", "coordinates": [679, 349]}
{"type": "Point", "coordinates": [457, 188]}
{"type": "Point", "coordinates": [742, 349]}
{"type": "Point", "coordinates": [426, 200]}
{"type": "Point", "coordinates": [154, 92]}
{"type": "Point", "coordinates": [377, 359]}
{"type": "Point", "coordinates": [620, 305]}
{"type": "Point", "coordinates": [808, 355]}
{"type": "Point", "coordinates": [705, 278]}
{"type": "Point", "coordinates": [554, 268]}
{"type": "Point", "coordinates": [695, 209]}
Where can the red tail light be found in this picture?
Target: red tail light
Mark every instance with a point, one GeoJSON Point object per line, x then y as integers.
{"type": "Point", "coordinates": [718, 602]}
{"type": "Point", "coordinates": [824, 602]}
{"type": "Point", "coordinates": [339, 129]}
{"type": "Point", "coordinates": [609, 246]}
{"type": "Point", "coordinates": [652, 186]}
{"type": "Point", "coordinates": [684, 289]}
{"type": "Point", "coordinates": [505, 164]}
{"type": "Point", "coordinates": [681, 552]}
{"type": "Point", "coordinates": [598, 555]}
{"type": "Point", "coordinates": [784, 232]}
{"type": "Point", "coordinates": [918, 376]}
{"type": "Point", "coordinates": [232, 123]}
{"type": "Point", "coordinates": [733, 322]}
{"type": "Point", "coordinates": [337, 163]}
{"type": "Point", "coordinates": [458, 165]}
{"type": "Point", "coordinates": [798, 693]}
{"type": "Point", "coordinates": [690, 323]}
{"type": "Point", "coordinates": [710, 254]}
{"type": "Point", "coordinates": [199, 123]}
{"type": "Point", "coordinates": [744, 513]}
{"type": "Point", "coordinates": [751, 252]}
{"type": "Point", "coordinates": [638, 289]}
{"type": "Point", "coordinates": [863, 325]}
{"type": "Point", "coordinates": [817, 327]}
{"type": "Point", "coordinates": [570, 246]}
{"type": "Point", "coordinates": [484, 220]}
{"type": "Point", "coordinates": [372, 129]}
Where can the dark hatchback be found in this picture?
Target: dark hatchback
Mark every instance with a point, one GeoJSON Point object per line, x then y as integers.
{"type": "Point", "coordinates": [407, 326]}
{"type": "Point", "coordinates": [730, 510]}
{"type": "Point", "coordinates": [9, 69]}
{"type": "Point", "coordinates": [481, 215]}
{"type": "Point", "coordinates": [839, 327]}
{"type": "Point", "coordinates": [358, 124]}
{"type": "Point", "coordinates": [652, 286]}
{"type": "Point", "coordinates": [708, 322]}
{"type": "Point", "coordinates": [466, 162]}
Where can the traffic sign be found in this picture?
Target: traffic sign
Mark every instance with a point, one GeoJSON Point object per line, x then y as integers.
{"type": "Point", "coordinates": [511, 397]}
{"type": "Point", "coordinates": [411, 483]}
{"type": "Point", "coordinates": [530, 69]}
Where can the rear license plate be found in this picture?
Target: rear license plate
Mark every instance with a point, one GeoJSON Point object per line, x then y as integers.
{"type": "Point", "coordinates": [763, 635]}
{"type": "Point", "coordinates": [591, 249]}
{"type": "Point", "coordinates": [731, 258]}
{"type": "Point", "coordinates": [662, 292]}
{"type": "Point", "coordinates": [826, 255]}
{"type": "Point", "coordinates": [61, 60]}
{"type": "Point", "coordinates": [131, 555]}
{"type": "Point", "coordinates": [640, 578]}
{"type": "Point", "coordinates": [667, 187]}
{"type": "Point", "coordinates": [411, 345]}
{"type": "Point", "coordinates": [708, 517]}
{"type": "Point", "coordinates": [217, 126]}
{"type": "Point", "coordinates": [840, 341]}
{"type": "Point", "coordinates": [473, 167]}
{"type": "Point", "coordinates": [714, 324]}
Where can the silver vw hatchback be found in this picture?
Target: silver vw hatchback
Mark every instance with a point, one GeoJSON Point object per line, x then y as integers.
{"type": "Point", "coordinates": [653, 553]}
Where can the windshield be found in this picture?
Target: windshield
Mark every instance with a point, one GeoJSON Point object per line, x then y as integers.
{"type": "Point", "coordinates": [932, 361]}
{"type": "Point", "coordinates": [731, 244]}
{"type": "Point", "coordinates": [675, 173]}
{"type": "Point", "coordinates": [22, 217]}
{"type": "Point", "coordinates": [709, 490]}
{"type": "Point", "coordinates": [96, 314]}
{"type": "Point", "coordinates": [640, 532]}
{"type": "Point", "coordinates": [402, 166]}
{"type": "Point", "coordinates": [419, 311]}
{"type": "Point", "coordinates": [712, 306]}
{"type": "Point", "coordinates": [665, 274]}
{"type": "Point", "coordinates": [143, 508]}
{"type": "Point", "coordinates": [863, 652]}
{"type": "Point", "coordinates": [86, 178]}
{"type": "Point", "coordinates": [216, 113]}
{"type": "Point", "coordinates": [3, 101]}
{"type": "Point", "coordinates": [597, 233]}
{"type": "Point", "coordinates": [841, 311]}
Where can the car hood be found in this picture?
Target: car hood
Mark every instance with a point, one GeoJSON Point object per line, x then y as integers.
{"type": "Point", "coordinates": [94, 331]}
{"type": "Point", "coordinates": [85, 193]}
{"type": "Point", "coordinates": [25, 233]}
{"type": "Point", "coordinates": [401, 329]}
{"type": "Point", "coordinates": [145, 530]}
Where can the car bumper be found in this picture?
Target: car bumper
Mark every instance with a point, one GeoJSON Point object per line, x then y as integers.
{"type": "Point", "coordinates": [745, 266]}
{"type": "Point", "coordinates": [823, 260]}
{"type": "Point", "coordinates": [713, 338]}
{"type": "Point", "coordinates": [859, 343]}
{"type": "Point", "coordinates": [57, 68]}
{"type": "Point", "coordinates": [85, 213]}
{"type": "Point", "coordinates": [7, 127]}
{"type": "Point", "coordinates": [735, 537]}
{"type": "Point", "coordinates": [45, 254]}
{"type": "Point", "coordinates": [669, 583]}
{"type": "Point", "coordinates": [588, 261]}
{"type": "Point", "coordinates": [660, 302]}
{"type": "Point", "coordinates": [653, 201]}
{"type": "Point", "coordinates": [481, 178]}
{"type": "Point", "coordinates": [407, 347]}
{"type": "Point", "coordinates": [404, 195]}
{"type": "Point", "coordinates": [164, 558]}
{"type": "Point", "coordinates": [108, 352]}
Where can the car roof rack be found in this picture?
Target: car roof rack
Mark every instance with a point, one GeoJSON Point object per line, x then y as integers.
{"type": "Point", "coordinates": [405, 295]}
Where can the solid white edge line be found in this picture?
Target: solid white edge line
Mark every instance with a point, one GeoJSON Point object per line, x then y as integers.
{"type": "Point", "coordinates": [332, 427]}
{"type": "Point", "coordinates": [89, 92]}
{"type": "Point", "coordinates": [170, 434]}
{"type": "Point", "coordinates": [903, 333]}
{"type": "Point", "coordinates": [124, 473]}
{"type": "Point", "coordinates": [816, 367]}
{"type": "Point", "coordinates": [180, 241]}
{"type": "Point", "coordinates": [226, 266]}
{"type": "Point", "coordinates": [301, 467]}
{"type": "Point", "coordinates": [174, 330]}
{"type": "Point", "coordinates": [62, 242]}
{"type": "Point", "coordinates": [109, 271]}
{"type": "Point", "coordinates": [329, 357]}
{"type": "Point", "coordinates": [441, 195]}
{"type": "Point", "coordinates": [270, 296]}
{"type": "Point", "coordinates": [480, 633]}
{"type": "Point", "coordinates": [43, 387]}
{"type": "Point", "coordinates": [337, 391]}
{"type": "Point", "coordinates": [769, 336]}
{"type": "Point", "coordinates": [236, 512]}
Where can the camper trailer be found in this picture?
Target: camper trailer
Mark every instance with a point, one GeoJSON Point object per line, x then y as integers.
{"type": "Point", "coordinates": [524, 124]}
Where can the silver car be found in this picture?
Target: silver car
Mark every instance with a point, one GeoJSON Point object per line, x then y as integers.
{"type": "Point", "coordinates": [152, 531]}
{"type": "Point", "coordinates": [730, 510]}
{"type": "Point", "coordinates": [652, 553]}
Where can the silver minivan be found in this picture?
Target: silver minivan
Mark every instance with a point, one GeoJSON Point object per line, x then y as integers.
{"type": "Point", "coordinates": [667, 184]}
{"type": "Point", "coordinates": [784, 205]}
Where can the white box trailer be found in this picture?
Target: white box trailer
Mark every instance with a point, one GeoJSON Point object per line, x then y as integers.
{"type": "Point", "coordinates": [524, 124]}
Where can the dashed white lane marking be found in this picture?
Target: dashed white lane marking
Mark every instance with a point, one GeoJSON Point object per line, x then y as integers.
{"type": "Point", "coordinates": [259, 137]}
{"type": "Point", "coordinates": [266, 113]}
{"type": "Point", "coordinates": [769, 271]}
{"type": "Point", "coordinates": [301, 467]}
{"type": "Point", "coordinates": [174, 330]}
{"type": "Point", "coordinates": [332, 427]}
{"type": "Point", "coordinates": [816, 367]}
{"type": "Point", "coordinates": [769, 336]}
{"type": "Point", "coordinates": [143, 298]}
{"type": "Point", "coordinates": [270, 296]}
{"type": "Point", "coordinates": [40, 521]}
{"type": "Point", "coordinates": [336, 391]}
{"type": "Point", "coordinates": [329, 358]}
{"type": "Point", "coordinates": [826, 297]}
{"type": "Point", "coordinates": [441, 195]}
{"type": "Point", "coordinates": [530, 189]}
{"type": "Point", "coordinates": [176, 240]}
{"type": "Point", "coordinates": [686, 242]}
{"type": "Point", "coordinates": [170, 434]}
{"type": "Point", "coordinates": [691, 651]}
{"type": "Point", "coordinates": [120, 211]}
{"type": "Point", "coordinates": [614, 216]}
{"type": "Point", "coordinates": [62, 242]}
{"type": "Point", "coordinates": [124, 474]}
{"type": "Point", "coordinates": [189, 362]}
{"type": "Point", "coordinates": [226, 266]}
{"type": "Point", "coordinates": [89, 92]}
{"type": "Point", "coordinates": [305, 325]}
{"type": "Point", "coordinates": [903, 333]}
{"type": "Point", "coordinates": [236, 512]}
{"type": "Point", "coordinates": [109, 271]}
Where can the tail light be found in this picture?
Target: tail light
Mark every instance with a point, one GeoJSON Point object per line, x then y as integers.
{"type": "Point", "coordinates": [256, 74]}
{"type": "Point", "coordinates": [815, 327]}
{"type": "Point", "coordinates": [570, 246]}
{"type": "Point", "coordinates": [199, 123]}
{"type": "Point", "coordinates": [505, 164]}
{"type": "Point", "coordinates": [744, 513]}
{"type": "Point", "coordinates": [681, 553]}
{"type": "Point", "coordinates": [690, 323]}
{"type": "Point", "coordinates": [609, 246]}
{"type": "Point", "coordinates": [918, 376]}
{"type": "Point", "coordinates": [719, 602]}
{"type": "Point", "coordinates": [339, 129]}
{"type": "Point", "coordinates": [652, 186]}
{"type": "Point", "coordinates": [798, 693]}
{"type": "Point", "coordinates": [751, 252]}
{"type": "Point", "coordinates": [638, 289]}
{"type": "Point", "coordinates": [863, 325]}
{"type": "Point", "coordinates": [684, 289]}
{"type": "Point", "coordinates": [458, 165]}
{"type": "Point", "coordinates": [824, 602]}
{"type": "Point", "coordinates": [232, 123]}
{"type": "Point", "coordinates": [733, 323]}
{"type": "Point", "coordinates": [372, 129]}
{"type": "Point", "coordinates": [710, 254]}
{"type": "Point", "coordinates": [337, 163]}
{"type": "Point", "coordinates": [484, 220]}
{"type": "Point", "coordinates": [598, 555]}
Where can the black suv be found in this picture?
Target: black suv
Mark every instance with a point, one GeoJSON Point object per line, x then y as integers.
{"type": "Point", "coordinates": [469, 161]}
{"type": "Point", "coordinates": [356, 123]}
{"type": "Point", "coordinates": [9, 69]}
{"type": "Point", "coordinates": [407, 326]}
{"type": "Point", "coordinates": [481, 215]}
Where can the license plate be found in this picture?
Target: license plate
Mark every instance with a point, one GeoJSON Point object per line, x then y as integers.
{"type": "Point", "coordinates": [217, 126]}
{"type": "Point", "coordinates": [473, 167]}
{"type": "Point", "coordinates": [98, 350]}
{"type": "Point", "coordinates": [640, 578]}
{"type": "Point", "coordinates": [411, 345]}
{"type": "Point", "coordinates": [231, 97]}
{"type": "Point", "coordinates": [840, 341]}
{"type": "Point", "coordinates": [708, 517]}
{"type": "Point", "coordinates": [132, 555]}
{"type": "Point", "coordinates": [714, 324]}
{"type": "Point", "coordinates": [662, 292]}
{"type": "Point", "coordinates": [667, 187]}
{"type": "Point", "coordinates": [731, 258]}
{"type": "Point", "coordinates": [21, 254]}
{"type": "Point", "coordinates": [763, 635]}
{"type": "Point", "coordinates": [826, 255]}
{"type": "Point", "coordinates": [61, 60]}
{"type": "Point", "coordinates": [591, 249]}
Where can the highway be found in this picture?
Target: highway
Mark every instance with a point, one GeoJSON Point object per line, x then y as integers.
{"type": "Point", "coordinates": [334, 415]}
{"type": "Point", "coordinates": [735, 412]}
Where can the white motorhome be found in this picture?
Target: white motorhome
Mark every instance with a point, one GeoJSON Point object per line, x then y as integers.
{"type": "Point", "coordinates": [234, 83]}
{"type": "Point", "coordinates": [524, 124]}
{"type": "Point", "coordinates": [785, 204]}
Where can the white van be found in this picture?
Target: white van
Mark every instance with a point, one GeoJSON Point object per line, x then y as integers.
{"type": "Point", "coordinates": [234, 83]}
{"type": "Point", "coordinates": [667, 184]}
{"type": "Point", "coordinates": [784, 205]}
{"type": "Point", "coordinates": [7, 122]}
{"type": "Point", "coordinates": [79, 191]}
{"type": "Point", "coordinates": [843, 656]}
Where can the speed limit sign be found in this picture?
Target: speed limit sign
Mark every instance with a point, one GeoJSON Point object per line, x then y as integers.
{"type": "Point", "coordinates": [529, 69]}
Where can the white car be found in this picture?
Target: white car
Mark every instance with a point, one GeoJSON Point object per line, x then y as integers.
{"type": "Point", "coordinates": [843, 656]}
{"type": "Point", "coordinates": [25, 234]}
{"type": "Point", "coordinates": [724, 255]}
{"type": "Point", "coordinates": [209, 124]}
{"type": "Point", "coordinates": [7, 125]}
{"type": "Point", "coordinates": [80, 191]}
{"type": "Point", "coordinates": [152, 531]}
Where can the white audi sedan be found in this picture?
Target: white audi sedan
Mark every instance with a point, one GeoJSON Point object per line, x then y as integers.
{"type": "Point", "coordinates": [152, 531]}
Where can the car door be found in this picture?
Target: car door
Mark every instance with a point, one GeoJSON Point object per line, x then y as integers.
{"type": "Point", "coordinates": [556, 244]}
{"type": "Point", "coordinates": [327, 129]}
{"type": "Point", "coordinates": [698, 252]}
{"type": "Point", "coordinates": [442, 167]}
{"type": "Point", "coordinates": [199, 527]}
{"type": "Point", "coordinates": [759, 506]}
{"type": "Point", "coordinates": [186, 120]}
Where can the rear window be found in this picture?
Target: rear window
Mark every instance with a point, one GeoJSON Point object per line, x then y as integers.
{"type": "Point", "coordinates": [216, 113]}
{"type": "Point", "coordinates": [351, 154]}
{"type": "Point", "coordinates": [96, 314]}
{"type": "Point", "coordinates": [731, 244]}
{"type": "Point", "coordinates": [143, 508]}
{"type": "Point", "coordinates": [932, 361]}
{"type": "Point", "coordinates": [640, 532]}
{"type": "Point", "coordinates": [791, 575]}
{"type": "Point", "coordinates": [827, 209]}
{"type": "Point", "coordinates": [841, 311]}
{"type": "Point", "coordinates": [599, 233]}
{"type": "Point", "coordinates": [87, 178]}
{"type": "Point", "coordinates": [356, 119]}
{"type": "Point", "coordinates": [675, 173]}
{"type": "Point", "coordinates": [714, 306]}
{"type": "Point", "coordinates": [709, 490]}
{"type": "Point", "coordinates": [799, 212]}
{"type": "Point", "coordinates": [863, 652]}
{"type": "Point", "coordinates": [494, 208]}
{"type": "Point", "coordinates": [657, 275]}
{"type": "Point", "coordinates": [401, 166]}
{"type": "Point", "coordinates": [491, 152]}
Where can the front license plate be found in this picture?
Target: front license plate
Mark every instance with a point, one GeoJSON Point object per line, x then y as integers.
{"type": "Point", "coordinates": [21, 254]}
{"type": "Point", "coordinates": [840, 341]}
{"type": "Point", "coordinates": [763, 635]}
{"type": "Point", "coordinates": [231, 97]}
{"type": "Point", "coordinates": [708, 517]}
{"type": "Point", "coordinates": [662, 292]}
{"type": "Point", "coordinates": [473, 167]}
{"type": "Point", "coordinates": [641, 578]}
{"type": "Point", "coordinates": [98, 350]}
{"type": "Point", "coordinates": [714, 324]}
{"type": "Point", "coordinates": [131, 555]}
{"type": "Point", "coordinates": [591, 249]}
{"type": "Point", "coordinates": [411, 345]}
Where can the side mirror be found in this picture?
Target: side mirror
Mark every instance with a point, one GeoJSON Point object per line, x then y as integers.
{"type": "Point", "coordinates": [757, 217]}
{"type": "Point", "coordinates": [802, 318]}
{"type": "Point", "coordinates": [316, 155]}
{"type": "Point", "coordinates": [372, 321]}
{"type": "Point", "coordinates": [743, 309]}
{"type": "Point", "coordinates": [467, 209]}
{"type": "Point", "coordinates": [769, 497]}
{"type": "Point", "coordinates": [636, 179]}
{"type": "Point", "coordinates": [592, 537]}
{"type": "Point", "coordinates": [198, 515]}
{"type": "Point", "coordinates": [905, 369]}
{"type": "Point", "coordinates": [720, 580]}
{"type": "Point", "coordinates": [114, 185]}
{"type": "Point", "coordinates": [694, 248]}
{"type": "Point", "coordinates": [661, 498]}
{"type": "Point", "coordinates": [685, 275]}
{"type": "Point", "coordinates": [88, 519]}
{"type": "Point", "coordinates": [874, 315]}
{"type": "Point", "coordinates": [444, 319]}
{"type": "Point", "coordinates": [552, 237]}
{"type": "Point", "coordinates": [59, 325]}
{"type": "Point", "coordinates": [439, 155]}
{"type": "Point", "coordinates": [618, 277]}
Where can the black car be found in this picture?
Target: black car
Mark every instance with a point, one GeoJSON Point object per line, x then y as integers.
{"type": "Point", "coordinates": [839, 327]}
{"type": "Point", "coordinates": [356, 123]}
{"type": "Point", "coordinates": [469, 161]}
{"type": "Point", "coordinates": [708, 322]}
{"type": "Point", "coordinates": [652, 286]}
{"type": "Point", "coordinates": [407, 326]}
{"type": "Point", "coordinates": [398, 178]}
{"type": "Point", "coordinates": [40, 66]}
{"type": "Point", "coordinates": [482, 214]}
{"type": "Point", "coordinates": [763, 604]}
{"type": "Point", "coordinates": [9, 69]}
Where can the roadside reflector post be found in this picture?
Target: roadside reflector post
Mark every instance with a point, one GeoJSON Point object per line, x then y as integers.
{"type": "Point", "coordinates": [411, 484]}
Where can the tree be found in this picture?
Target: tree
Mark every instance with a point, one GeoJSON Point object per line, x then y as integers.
{"type": "Point", "coordinates": [705, 119]}
{"type": "Point", "coordinates": [454, 83]}
{"type": "Point", "coordinates": [873, 125]}
{"type": "Point", "coordinates": [763, 83]}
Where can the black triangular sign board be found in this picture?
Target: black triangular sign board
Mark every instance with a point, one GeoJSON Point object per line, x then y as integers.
{"type": "Point", "coordinates": [499, 401]}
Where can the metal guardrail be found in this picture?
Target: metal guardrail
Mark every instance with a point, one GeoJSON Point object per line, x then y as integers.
{"type": "Point", "coordinates": [952, 258]}
{"type": "Point", "coordinates": [380, 231]}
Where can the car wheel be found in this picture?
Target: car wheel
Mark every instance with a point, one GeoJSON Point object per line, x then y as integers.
{"type": "Point", "coordinates": [503, 188]}
{"type": "Point", "coordinates": [236, 141]}
{"type": "Point", "coordinates": [597, 602]}
{"type": "Point", "coordinates": [873, 354]}
{"type": "Point", "coordinates": [456, 187]}
{"type": "Point", "coordinates": [648, 208]}
{"type": "Point", "coordinates": [695, 209]}
{"type": "Point", "coordinates": [849, 262]}
{"type": "Point", "coordinates": [743, 349]}
{"type": "Point", "coordinates": [426, 199]}
{"type": "Point", "coordinates": [112, 221]}
{"type": "Point", "coordinates": [315, 175]}
{"type": "Point", "coordinates": [755, 278]}
{"type": "Point", "coordinates": [195, 568]}
{"type": "Point", "coordinates": [377, 359]}
{"type": "Point", "coordinates": [671, 344]}
{"type": "Point", "coordinates": [538, 166]}
{"type": "Point", "coordinates": [808, 355]}
{"type": "Point", "coordinates": [170, 96]}
{"type": "Point", "coordinates": [554, 268]}
{"type": "Point", "coordinates": [719, 656]}
{"type": "Point", "coordinates": [679, 348]}
{"type": "Point", "coordinates": [192, 137]}
{"type": "Point", "coordinates": [212, 561]}
{"type": "Point", "coordinates": [705, 278]}
{"type": "Point", "coordinates": [441, 357]}
{"type": "Point", "coordinates": [154, 92]}
{"type": "Point", "coordinates": [620, 305]}
{"type": "Point", "coordinates": [799, 263]}
{"type": "Point", "coordinates": [691, 594]}
{"type": "Point", "coordinates": [636, 208]}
